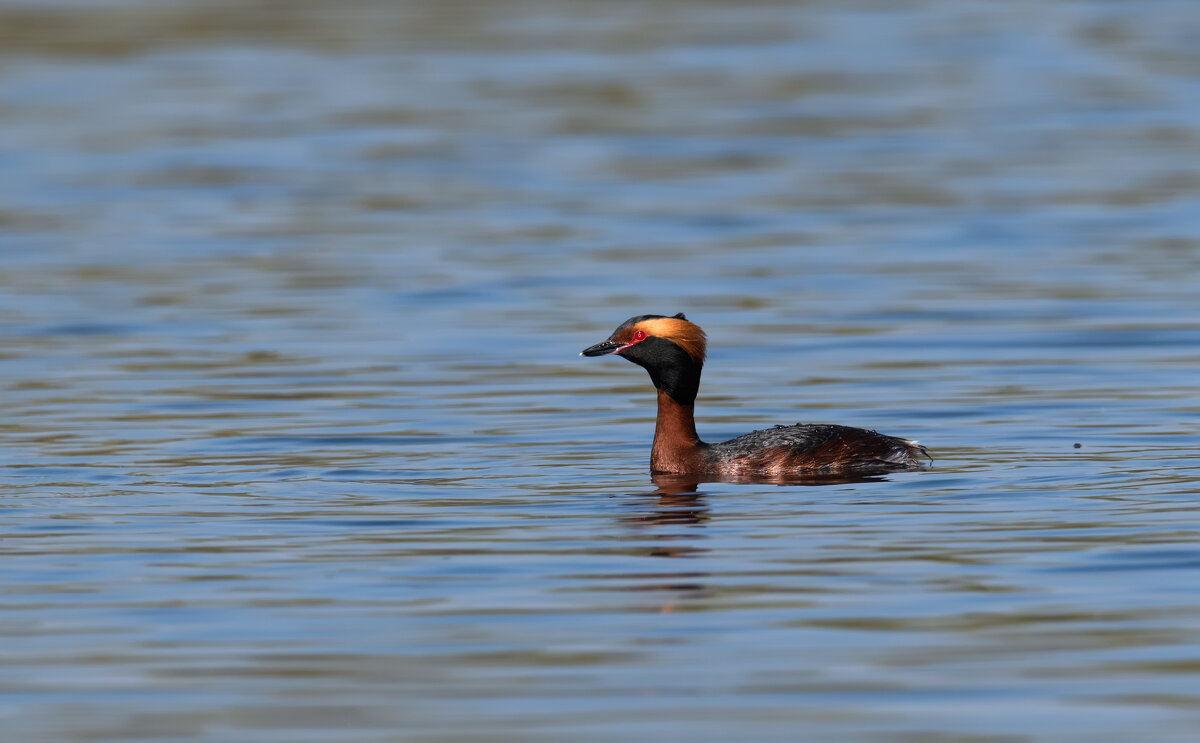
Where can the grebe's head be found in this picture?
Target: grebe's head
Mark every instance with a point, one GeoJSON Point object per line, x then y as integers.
{"type": "Point", "coordinates": [670, 348]}
{"type": "Point", "coordinates": [646, 337]}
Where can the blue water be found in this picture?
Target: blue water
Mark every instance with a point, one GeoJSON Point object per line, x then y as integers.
{"type": "Point", "coordinates": [297, 445]}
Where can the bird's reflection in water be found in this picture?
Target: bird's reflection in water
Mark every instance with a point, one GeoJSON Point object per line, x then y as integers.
{"type": "Point", "coordinates": [674, 516]}
{"type": "Point", "coordinates": [677, 501]}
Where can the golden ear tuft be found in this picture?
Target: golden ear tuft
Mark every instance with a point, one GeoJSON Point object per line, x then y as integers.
{"type": "Point", "coordinates": [686, 335]}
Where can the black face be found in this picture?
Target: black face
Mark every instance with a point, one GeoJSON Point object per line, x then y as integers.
{"type": "Point", "coordinates": [620, 337]}
{"type": "Point", "coordinates": [671, 368]}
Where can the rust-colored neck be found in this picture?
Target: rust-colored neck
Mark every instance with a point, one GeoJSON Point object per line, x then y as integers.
{"type": "Point", "coordinates": [676, 448]}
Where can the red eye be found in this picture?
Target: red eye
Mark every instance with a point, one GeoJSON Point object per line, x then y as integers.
{"type": "Point", "coordinates": [639, 335]}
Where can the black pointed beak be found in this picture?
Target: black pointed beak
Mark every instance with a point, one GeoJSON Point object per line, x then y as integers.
{"type": "Point", "coordinates": [600, 348]}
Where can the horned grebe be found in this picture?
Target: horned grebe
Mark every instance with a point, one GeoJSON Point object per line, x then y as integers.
{"type": "Point", "coordinates": [672, 349]}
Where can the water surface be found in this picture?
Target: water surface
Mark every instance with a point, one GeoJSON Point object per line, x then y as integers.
{"type": "Point", "coordinates": [297, 444]}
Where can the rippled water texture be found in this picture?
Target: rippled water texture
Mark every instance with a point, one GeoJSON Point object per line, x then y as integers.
{"type": "Point", "coordinates": [297, 445]}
